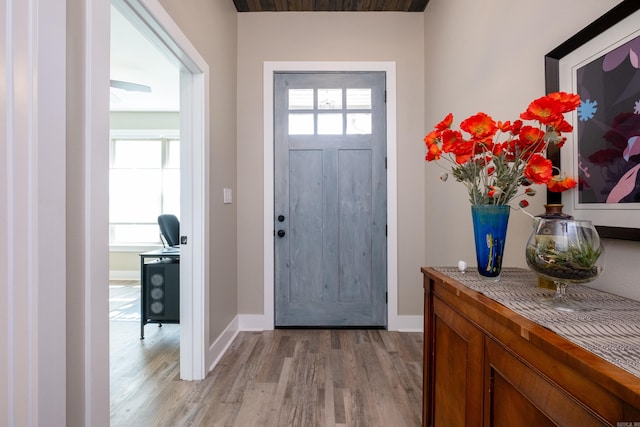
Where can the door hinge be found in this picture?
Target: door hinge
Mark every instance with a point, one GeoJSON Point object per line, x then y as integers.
{"type": "Point", "coordinates": [385, 162]}
{"type": "Point", "coordinates": [385, 96]}
{"type": "Point", "coordinates": [386, 297]}
{"type": "Point", "coordinates": [386, 229]}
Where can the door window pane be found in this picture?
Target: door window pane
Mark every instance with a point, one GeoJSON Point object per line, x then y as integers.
{"type": "Point", "coordinates": [330, 124]}
{"type": "Point", "coordinates": [301, 124]}
{"type": "Point", "coordinates": [358, 99]}
{"type": "Point", "coordinates": [329, 99]}
{"type": "Point", "coordinates": [359, 123]}
{"type": "Point", "coordinates": [300, 99]}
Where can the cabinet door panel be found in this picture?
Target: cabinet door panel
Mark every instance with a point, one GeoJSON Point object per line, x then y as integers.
{"type": "Point", "coordinates": [509, 406]}
{"type": "Point", "coordinates": [520, 395]}
{"type": "Point", "coordinates": [458, 369]}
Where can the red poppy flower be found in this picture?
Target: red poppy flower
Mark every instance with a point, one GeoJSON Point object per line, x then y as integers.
{"type": "Point", "coordinates": [498, 149]}
{"type": "Point", "coordinates": [504, 126]}
{"type": "Point", "coordinates": [463, 152]}
{"type": "Point", "coordinates": [479, 126]}
{"type": "Point", "coordinates": [523, 203]}
{"type": "Point", "coordinates": [496, 168]}
{"type": "Point", "coordinates": [549, 109]}
{"type": "Point", "coordinates": [544, 110]}
{"type": "Point", "coordinates": [568, 101]}
{"type": "Point", "coordinates": [450, 140]}
{"type": "Point", "coordinates": [433, 153]}
{"type": "Point", "coordinates": [539, 169]}
{"type": "Point", "coordinates": [531, 138]}
{"type": "Point", "coordinates": [561, 125]}
{"type": "Point", "coordinates": [445, 123]}
{"type": "Point", "coordinates": [431, 138]}
{"type": "Point", "coordinates": [515, 128]}
{"type": "Point", "coordinates": [559, 183]}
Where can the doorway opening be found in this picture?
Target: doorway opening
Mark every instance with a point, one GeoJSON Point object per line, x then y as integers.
{"type": "Point", "coordinates": [144, 182]}
{"type": "Point", "coordinates": [153, 24]}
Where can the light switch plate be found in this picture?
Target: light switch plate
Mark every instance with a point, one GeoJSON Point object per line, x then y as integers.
{"type": "Point", "coordinates": [228, 195]}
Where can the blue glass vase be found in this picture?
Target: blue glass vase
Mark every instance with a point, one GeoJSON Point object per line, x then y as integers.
{"type": "Point", "coordinates": [490, 234]}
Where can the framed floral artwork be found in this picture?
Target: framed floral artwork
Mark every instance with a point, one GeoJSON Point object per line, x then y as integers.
{"type": "Point", "coordinates": [601, 63]}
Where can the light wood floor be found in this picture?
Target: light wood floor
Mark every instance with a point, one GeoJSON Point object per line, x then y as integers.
{"type": "Point", "coordinates": [274, 378]}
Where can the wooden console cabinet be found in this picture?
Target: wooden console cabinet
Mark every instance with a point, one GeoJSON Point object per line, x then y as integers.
{"type": "Point", "coordinates": [486, 365]}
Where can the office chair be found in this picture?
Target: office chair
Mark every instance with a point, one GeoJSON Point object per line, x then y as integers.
{"type": "Point", "coordinates": [169, 230]}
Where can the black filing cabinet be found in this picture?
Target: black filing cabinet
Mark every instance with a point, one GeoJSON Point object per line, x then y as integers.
{"type": "Point", "coordinates": [160, 291]}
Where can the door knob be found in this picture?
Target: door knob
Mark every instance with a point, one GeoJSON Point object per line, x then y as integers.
{"type": "Point", "coordinates": [280, 218]}
{"type": "Point", "coordinates": [281, 233]}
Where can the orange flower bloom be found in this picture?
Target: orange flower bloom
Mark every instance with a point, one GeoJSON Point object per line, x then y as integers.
{"type": "Point", "coordinates": [463, 152]}
{"type": "Point", "coordinates": [479, 126]}
{"type": "Point", "coordinates": [450, 140]}
{"type": "Point", "coordinates": [504, 126]}
{"type": "Point", "coordinates": [517, 125]}
{"type": "Point", "coordinates": [431, 138]}
{"type": "Point", "coordinates": [539, 169]}
{"type": "Point", "coordinates": [559, 183]}
{"type": "Point", "coordinates": [532, 139]}
{"type": "Point", "coordinates": [498, 149]}
{"type": "Point", "coordinates": [433, 153]}
{"type": "Point", "coordinates": [561, 125]}
{"type": "Point", "coordinates": [494, 170]}
{"type": "Point", "coordinates": [549, 109]}
{"type": "Point", "coordinates": [569, 101]}
{"type": "Point", "coordinates": [445, 123]}
{"type": "Point", "coordinates": [508, 127]}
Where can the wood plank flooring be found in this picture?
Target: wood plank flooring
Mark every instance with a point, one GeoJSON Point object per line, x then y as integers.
{"type": "Point", "coordinates": [285, 377]}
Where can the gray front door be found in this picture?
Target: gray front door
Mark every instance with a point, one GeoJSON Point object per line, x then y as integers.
{"type": "Point", "coordinates": [330, 199]}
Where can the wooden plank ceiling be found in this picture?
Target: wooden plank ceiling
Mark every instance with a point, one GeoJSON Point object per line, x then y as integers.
{"type": "Point", "coordinates": [330, 5]}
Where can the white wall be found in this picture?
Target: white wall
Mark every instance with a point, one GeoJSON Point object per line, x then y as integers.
{"type": "Point", "coordinates": [489, 56]}
{"type": "Point", "coordinates": [331, 36]}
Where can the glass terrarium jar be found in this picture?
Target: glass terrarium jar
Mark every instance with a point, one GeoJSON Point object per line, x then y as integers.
{"type": "Point", "coordinates": [567, 251]}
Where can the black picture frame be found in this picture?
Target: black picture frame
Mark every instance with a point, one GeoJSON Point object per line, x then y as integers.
{"type": "Point", "coordinates": [552, 84]}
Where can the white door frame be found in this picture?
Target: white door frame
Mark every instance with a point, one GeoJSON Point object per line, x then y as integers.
{"type": "Point", "coordinates": [267, 321]}
{"type": "Point", "coordinates": [151, 19]}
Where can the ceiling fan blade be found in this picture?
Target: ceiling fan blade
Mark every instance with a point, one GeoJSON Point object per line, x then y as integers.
{"type": "Point", "coordinates": [128, 86]}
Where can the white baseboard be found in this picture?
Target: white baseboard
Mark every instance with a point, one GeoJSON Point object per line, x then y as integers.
{"type": "Point", "coordinates": [124, 275]}
{"type": "Point", "coordinates": [255, 322]}
{"type": "Point", "coordinates": [408, 323]}
{"type": "Point", "coordinates": [220, 346]}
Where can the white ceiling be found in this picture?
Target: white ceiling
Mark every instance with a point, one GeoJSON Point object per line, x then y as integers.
{"type": "Point", "coordinates": [136, 60]}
